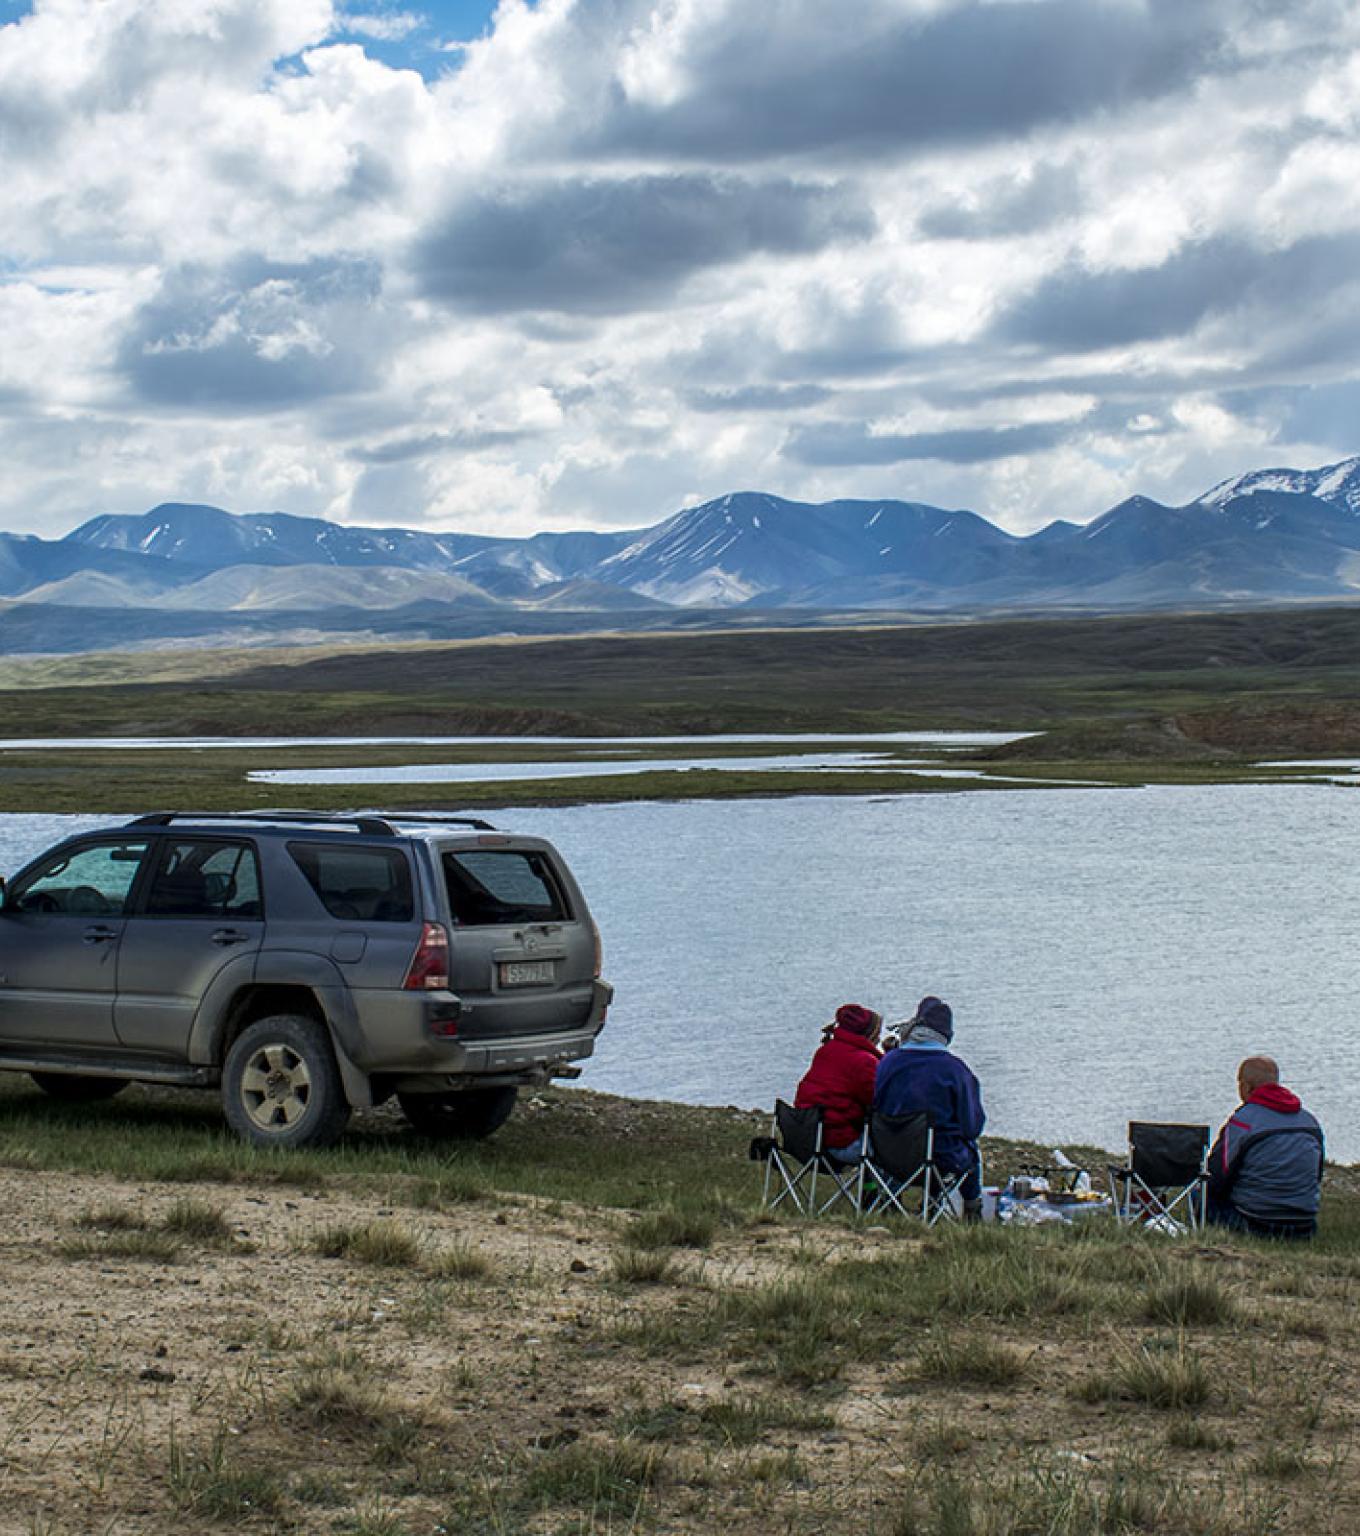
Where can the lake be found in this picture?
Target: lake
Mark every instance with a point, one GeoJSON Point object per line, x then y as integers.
{"type": "Point", "coordinates": [1109, 954]}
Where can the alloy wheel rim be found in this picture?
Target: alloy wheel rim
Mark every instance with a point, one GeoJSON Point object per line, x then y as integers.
{"type": "Point", "coordinates": [276, 1087]}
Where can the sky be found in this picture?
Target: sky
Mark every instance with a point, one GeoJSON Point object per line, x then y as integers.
{"type": "Point", "coordinates": [580, 263]}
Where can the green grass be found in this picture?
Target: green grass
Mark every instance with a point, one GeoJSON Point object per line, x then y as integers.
{"type": "Point", "coordinates": [1173, 1379]}
{"type": "Point", "coordinates": [745, 1420]}
{"type": "Point", "coordinates": [1189, 1300]}
{"type": "Point", "coordinates": [213, 1483]}
{"type": "Point", "coordinates": [600, 1480]}
{"type": "Point", "coordinates": [461, 1261]}
{"type": "Point", "coordinates": [641, 1266]}
{"type": "Point", "coordinates": [742, 1419]}
{"type": "Point", "coordinates": [149, 1136]}
{"type": "Point", "coordinates": [676, 1227]}
{"type": "Point", "coordinates": [342, 1394]}
{"type": "Point", "coordinates": [194, 1221]}
{"type": "Point", "coordinates": [967, 1360]}
{"type": "Point", "coordinates": [1175, 698]}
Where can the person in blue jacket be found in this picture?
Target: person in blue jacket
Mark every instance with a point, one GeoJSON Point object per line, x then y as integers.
{"type": "Point", "coordinates": [924, 1074]}
{"type": "Point", "coordinates": [1265, 1169]}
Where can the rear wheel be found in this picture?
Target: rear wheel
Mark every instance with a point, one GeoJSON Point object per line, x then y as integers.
{"type": "Point", "coordinates": [281, 1086]}
{"type": "Point", "coordinates": [468, 1116]}
{"type": "Point", "coordinates": [78, 1090]}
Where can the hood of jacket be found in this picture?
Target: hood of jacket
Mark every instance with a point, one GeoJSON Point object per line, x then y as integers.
{"type": "Point", "coordinates": [852, 1037]}
{"type": "Point", "coordinates": [1275, 1096]}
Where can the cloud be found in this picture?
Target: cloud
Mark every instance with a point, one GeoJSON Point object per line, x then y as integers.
{"type": "Point", "coordinates": [607, 246]}
{"type": "Point", "coordinates": [1086, 311]}
{"type": "Point", "coordinates": [69, 62]}
{"type": "Point", "coordinates": [399, 450]}
{"type": "Point", "coordinates": [902, 77]}
{"type": "Point", "coordinates": [1014, 205]}
{"type": "Point", "coordinates": [758, 397]}
{"type": "Point", "coordinates": [256, 337]}
{"type": "Point", "coordinates": [841, 443]}
{"type": "Point", "coordinates": [630, 254]}
{"type": "Point", "coordinates": [384, 27]}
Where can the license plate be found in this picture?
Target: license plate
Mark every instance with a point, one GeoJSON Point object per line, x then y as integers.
{"type": "Point", "coordinates": [526, 973]}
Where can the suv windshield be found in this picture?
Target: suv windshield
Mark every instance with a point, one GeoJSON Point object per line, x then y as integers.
{"type": "Point", "coordinates": [504, 886]}
{"type": "Point", "coordinates": [82, 882]}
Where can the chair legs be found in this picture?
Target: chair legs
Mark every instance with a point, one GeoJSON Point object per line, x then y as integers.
{"type": "Point", "coordinates": [1135, 1201]}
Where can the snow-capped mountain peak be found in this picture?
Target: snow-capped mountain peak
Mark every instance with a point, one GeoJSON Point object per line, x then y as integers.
{"type": "Point", "coordinates": [1337, 483]}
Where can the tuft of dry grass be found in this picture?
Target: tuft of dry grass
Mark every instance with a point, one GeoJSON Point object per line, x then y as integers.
{"type": "Point", "coordinates": [381, 1243]}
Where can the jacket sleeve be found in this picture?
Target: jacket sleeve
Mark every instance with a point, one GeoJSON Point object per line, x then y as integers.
{"type": "Point", "coordinates": [865, 1081]}
{"type": "Point", "coordinates": [972, 1117]}
{"type": "Point", "coordinates": [1222, 1166]}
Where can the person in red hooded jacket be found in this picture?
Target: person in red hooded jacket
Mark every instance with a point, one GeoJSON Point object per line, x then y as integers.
{"type": "Point", "coordinates": [840, 1080]}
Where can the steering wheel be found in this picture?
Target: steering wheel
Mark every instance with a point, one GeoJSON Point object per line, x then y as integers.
{"type": "Point", "coordinates": [85, 901]}
{"type": "Point", "coordinates": [39, 901]}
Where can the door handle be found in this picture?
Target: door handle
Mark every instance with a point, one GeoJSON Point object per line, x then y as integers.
{"type": "Point", "coordinates": [228, 936]}
{"type": "Point", "coordinates": [98, 934]}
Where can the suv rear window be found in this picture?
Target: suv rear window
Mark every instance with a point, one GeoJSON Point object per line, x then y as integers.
{"type": "Point", "coordinates": [505, 886]}
{"type": "Point", "coordinates": [358, 885]}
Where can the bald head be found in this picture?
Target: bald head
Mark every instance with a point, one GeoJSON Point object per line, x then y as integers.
{"type": "Point", "coordinates": [1255, 1072]}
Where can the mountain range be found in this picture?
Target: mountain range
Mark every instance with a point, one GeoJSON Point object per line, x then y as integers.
{"type": "Point", "coordinates": [182, 571]}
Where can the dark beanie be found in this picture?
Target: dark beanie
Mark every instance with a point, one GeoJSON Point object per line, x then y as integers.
{"type": "Point", "coordinates": [935, 1015]}
{"type": "Point", "coordinates": [856, 1018]}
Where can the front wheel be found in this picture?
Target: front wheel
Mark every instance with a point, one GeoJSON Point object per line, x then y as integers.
{"type": "Point", "coordinates": [281, 1086]}
{"type": "Point", "coordinates": [78, 1090]}
{"type": "Point", "coordinates": [468, 1116]}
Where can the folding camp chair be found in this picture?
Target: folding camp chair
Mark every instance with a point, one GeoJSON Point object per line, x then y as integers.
{"type": "Point", "coordinates": [1165, 1175]}
{"type": "Point", "coordinates": [793, 1154]}
{"type": "Point", "coordinates": [899, 1155]}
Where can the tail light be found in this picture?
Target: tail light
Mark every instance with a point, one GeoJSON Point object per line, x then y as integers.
{"type": "Point", "coordinates": [429, 969]}
{"type": "Point", "coordinates": [599, 950]}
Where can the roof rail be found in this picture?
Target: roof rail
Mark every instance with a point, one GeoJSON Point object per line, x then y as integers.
{"type": "Point", "coordinates": [422, 819]}
{"type": "Point", "coordinates": [369, 825]}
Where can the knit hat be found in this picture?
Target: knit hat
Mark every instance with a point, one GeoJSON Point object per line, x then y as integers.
{"type": "Point", "coordinates": [857, 1019]}
{"type": "Point", "coordinates": [935, 1015]}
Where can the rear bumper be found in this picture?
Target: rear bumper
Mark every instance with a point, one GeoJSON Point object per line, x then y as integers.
{"type": "Point", "coordinates": [489, 1063]}
{"type": "Point", "coordinates": [434, 1064]}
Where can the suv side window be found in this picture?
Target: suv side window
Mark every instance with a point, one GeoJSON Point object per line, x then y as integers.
{"type": "Point", "coordinates": [93, 881]}
{"type": "Point", "coordinates": [507, 886]}
{"type": "Point", "coordinates": [358, 885]}
{"type": "Point", "coordinates": [196, 878]}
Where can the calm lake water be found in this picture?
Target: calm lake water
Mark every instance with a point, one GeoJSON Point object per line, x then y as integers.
{"type": "Point", "coordinates": [1110, 954]}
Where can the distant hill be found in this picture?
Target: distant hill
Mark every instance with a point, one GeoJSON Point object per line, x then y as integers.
{"type": "Point", "coordinates": [1271, 536]}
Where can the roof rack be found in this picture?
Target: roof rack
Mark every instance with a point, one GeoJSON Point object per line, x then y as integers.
{"type": "Point", "coordinates": [369, 825]}
{"type": "Point", "coordinates": [424, 820]}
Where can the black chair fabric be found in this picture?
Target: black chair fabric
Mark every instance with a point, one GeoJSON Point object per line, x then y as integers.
{"type": "Point", "coordinates": [798, 1130]}
{"type": "Point", "coordinates": [1167, 1156]}
{"type": "Point", "coordinates": [898, 1144]}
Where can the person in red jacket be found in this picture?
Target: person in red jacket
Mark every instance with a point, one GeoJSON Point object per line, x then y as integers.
{"type": "Point", "coordinates": [841, 1079]}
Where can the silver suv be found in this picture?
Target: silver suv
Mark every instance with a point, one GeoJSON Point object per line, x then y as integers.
{"type": "Point", "coordinates": [305, 964]}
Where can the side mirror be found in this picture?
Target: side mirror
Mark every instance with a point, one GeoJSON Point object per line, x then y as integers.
{"type": "Point", "coordinates": [2, 893]}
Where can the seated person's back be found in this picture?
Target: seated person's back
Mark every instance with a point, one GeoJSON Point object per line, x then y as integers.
{"type": "Point", "coordinates": [840, 1080]}
{"type": "Point", "coordinates": [1265, 1169]}
{"type": "Point", "coordinates": [923, 1074]}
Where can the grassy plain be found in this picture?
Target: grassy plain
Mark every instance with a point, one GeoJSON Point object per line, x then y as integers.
{"type": "Point", "coordinates": [588, 1325]}
{"type": "Point", "coordinates": [1171, 698]}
